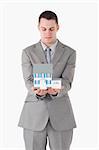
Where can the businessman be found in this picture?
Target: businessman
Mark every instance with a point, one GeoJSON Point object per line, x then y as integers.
{"type": "Point", "coordinates": [47, 113]}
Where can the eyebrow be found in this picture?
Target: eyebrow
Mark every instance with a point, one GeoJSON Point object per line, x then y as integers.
{"type": "Point", "coordinates": [45, 27]}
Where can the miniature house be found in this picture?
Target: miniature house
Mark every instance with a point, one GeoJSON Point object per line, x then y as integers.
{"type": "Point", "coordinates": [42, 75]}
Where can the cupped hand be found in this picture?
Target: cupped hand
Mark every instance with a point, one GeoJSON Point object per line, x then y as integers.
{"type": "Point", "coordinates": [53, 91]}
{"type": "Point", "coordinates": [38, 91]}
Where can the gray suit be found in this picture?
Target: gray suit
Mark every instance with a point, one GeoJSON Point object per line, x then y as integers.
{"type": "Point", "coordinates": [36, 111]}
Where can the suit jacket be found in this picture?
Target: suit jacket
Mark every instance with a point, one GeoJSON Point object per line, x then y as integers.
{"type": "Point", "coordinates": [35, 112]}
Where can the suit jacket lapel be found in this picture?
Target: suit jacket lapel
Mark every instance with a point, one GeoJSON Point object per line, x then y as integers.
{"type": "Point", "coordinates": [40, 53]}
{"type": "Point", "coordinates": [58, 53]}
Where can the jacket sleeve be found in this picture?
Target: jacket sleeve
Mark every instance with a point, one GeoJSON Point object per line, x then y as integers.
{"type": "Point", "coordinates": [27, 69]}
{"type": "Point", "coordinates": [67, 75]}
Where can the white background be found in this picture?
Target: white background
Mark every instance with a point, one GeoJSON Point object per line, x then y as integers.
{"type": "Point", "coordinates": [78, 29]}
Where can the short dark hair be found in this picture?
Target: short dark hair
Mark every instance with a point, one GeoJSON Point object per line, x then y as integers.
{"type": "Point", "coordinates": [48, 15]}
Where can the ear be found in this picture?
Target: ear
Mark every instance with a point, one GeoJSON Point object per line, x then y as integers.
{"type": "Point", "coordinates": [57, 27]}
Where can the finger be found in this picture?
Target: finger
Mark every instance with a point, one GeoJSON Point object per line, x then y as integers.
{"type": "Point", "coordinates": [37, 91]}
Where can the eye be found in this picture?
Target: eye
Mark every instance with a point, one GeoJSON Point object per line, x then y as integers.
{"type": "Point", "coordinates": [52, 29]}
{"type": "Point", "coordinates": [43, 29]}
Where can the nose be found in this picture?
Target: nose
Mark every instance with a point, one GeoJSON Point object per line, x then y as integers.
{"type": "Point", "coordinates": [48, 32]}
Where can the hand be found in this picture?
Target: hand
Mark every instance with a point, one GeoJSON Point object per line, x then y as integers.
{"type": "Point", "coordinates": [53, 91]}
{"type": "Point", "coordinates": [39, 92]}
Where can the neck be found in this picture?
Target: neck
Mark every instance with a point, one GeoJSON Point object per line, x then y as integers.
{"type": "Point", "coordinates": [49, 44]}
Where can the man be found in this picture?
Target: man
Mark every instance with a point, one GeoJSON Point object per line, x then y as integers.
{"type": "Point", "coordinates": [48, 113]}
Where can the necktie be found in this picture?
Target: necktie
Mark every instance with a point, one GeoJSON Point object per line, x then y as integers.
{"type": "Point", "coordinates": [48, 55]}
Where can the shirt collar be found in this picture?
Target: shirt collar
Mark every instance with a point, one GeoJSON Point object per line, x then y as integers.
{"type": "Point", "coordinates": [52, 47]}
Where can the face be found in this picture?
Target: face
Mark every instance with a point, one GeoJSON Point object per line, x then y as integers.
{"type": "Point", "coordinates": [48, 30]}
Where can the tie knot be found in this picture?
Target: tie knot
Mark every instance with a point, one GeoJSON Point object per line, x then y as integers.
{"type": "Point", "coordinates": [47, 49]}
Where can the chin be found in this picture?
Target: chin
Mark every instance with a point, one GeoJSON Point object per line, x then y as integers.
{"type": "Point", "coordinates": [48, 41]}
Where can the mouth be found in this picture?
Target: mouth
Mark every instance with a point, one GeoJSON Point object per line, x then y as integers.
{"type": "Point", "coordinates": [48, 37]}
